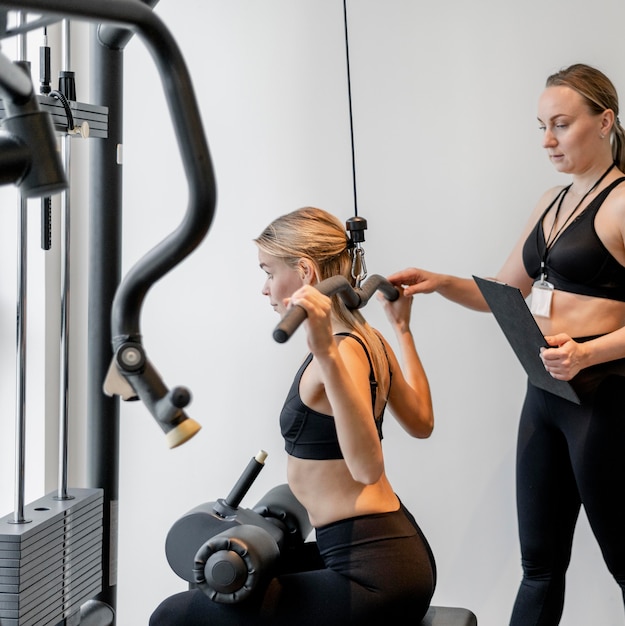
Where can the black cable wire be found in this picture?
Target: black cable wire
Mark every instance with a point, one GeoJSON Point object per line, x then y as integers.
{"type": "Point", "coordinates": [68, 111]}
{"type": "Point", "coordinates": [351, 119]}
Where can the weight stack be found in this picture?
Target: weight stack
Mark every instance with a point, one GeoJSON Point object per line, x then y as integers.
{"type": "Point", "coordinates": [52, 564]}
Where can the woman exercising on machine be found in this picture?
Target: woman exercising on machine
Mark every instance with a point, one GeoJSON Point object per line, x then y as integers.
{"type": "Point", "coordinates": [370, 560]}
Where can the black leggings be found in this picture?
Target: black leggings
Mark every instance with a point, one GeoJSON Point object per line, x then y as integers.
{"type": "Point", "coordinates": [373, 569]}
{"type": "Point", "coordinates": [569, 455]}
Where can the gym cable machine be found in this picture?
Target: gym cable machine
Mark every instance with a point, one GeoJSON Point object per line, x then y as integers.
{"type": "Point", "coordinates": [74, 539]}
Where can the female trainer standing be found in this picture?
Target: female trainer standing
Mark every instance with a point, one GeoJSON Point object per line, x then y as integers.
{"type": "Point", "coordinates": [571, 259]}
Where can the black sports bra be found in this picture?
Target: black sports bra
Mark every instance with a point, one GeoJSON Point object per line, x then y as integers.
{"type": "Point", "coordinates": [309, 434]}
{"type": "Point", "coordinates": [577, 261]}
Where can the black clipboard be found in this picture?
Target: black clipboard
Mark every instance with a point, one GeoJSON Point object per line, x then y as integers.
{"type": "Point", "coordinates": [523, 334]}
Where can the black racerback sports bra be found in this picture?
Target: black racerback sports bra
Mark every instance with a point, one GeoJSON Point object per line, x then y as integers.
{"type": "Point", "coordinates": [577, 261]}
{"type": "Point", "coordinates": [309, 434]}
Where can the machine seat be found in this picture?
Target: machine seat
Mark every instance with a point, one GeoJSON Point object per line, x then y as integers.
{"type": "Point", "coordinates": [448, 616]}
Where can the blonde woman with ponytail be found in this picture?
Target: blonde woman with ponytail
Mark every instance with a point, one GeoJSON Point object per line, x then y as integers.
{"type": "Point", "coordinates": [571, 260]}
{"type": "Point", "coordinates": [370, 563]}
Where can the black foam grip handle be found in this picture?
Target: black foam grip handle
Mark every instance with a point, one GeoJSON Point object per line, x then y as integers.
{"type": "Point", "coordinates": [297, 314]}
{"type": "Point", "coordinates": [378, 283]}
{"type": "Point", "coordinates": [289, 323]}
{"type": "Point", "coordinates": [354, 298]}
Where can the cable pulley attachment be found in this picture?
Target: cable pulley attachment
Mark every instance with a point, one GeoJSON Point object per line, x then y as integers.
{"type": "Point", "coordinates": [356, 227]}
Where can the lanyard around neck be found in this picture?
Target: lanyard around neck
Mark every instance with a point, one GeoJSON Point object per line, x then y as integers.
{"type": "Point", "coordinates": [552, 238]}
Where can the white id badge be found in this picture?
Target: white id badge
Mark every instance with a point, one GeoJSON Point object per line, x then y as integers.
{"type": "Point", "coordinates": [540, 303]}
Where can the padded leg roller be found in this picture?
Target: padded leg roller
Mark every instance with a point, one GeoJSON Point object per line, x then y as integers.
{"type": "Point", "coordinates": [446, 616]}
{"type": "Point", "coordinates": [231, 564]}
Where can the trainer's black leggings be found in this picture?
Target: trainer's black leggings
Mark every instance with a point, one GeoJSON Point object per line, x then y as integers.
{"type": "Point", "coordinates": [373, 569]}
{"type": "Point", "coordinates": [569, 455]}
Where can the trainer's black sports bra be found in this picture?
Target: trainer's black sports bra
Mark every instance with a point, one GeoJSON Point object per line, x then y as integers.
{"type": "Point", "coordinates": [577, 261]}
{"type": "Point", "coordinates": [309, 434]}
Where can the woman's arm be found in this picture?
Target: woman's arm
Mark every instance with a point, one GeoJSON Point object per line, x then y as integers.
{"type": "Point", "coordinates": [341, 370]}
{"type": "Point", "coordinates": [410, 399]}
{"type": "Point", "coordinates": [464, 291]}
{"type": "Point", "coordinates": [565, 357]}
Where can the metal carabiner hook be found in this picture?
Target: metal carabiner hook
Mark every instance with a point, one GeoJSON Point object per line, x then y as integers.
{"type": "Point", "coordinates": [359, 267]}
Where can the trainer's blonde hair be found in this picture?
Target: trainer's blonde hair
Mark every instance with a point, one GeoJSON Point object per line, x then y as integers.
{"type": "Point", "coordinates": [600, 94]}
{"type": "Point", "coordinates": [319, 236]}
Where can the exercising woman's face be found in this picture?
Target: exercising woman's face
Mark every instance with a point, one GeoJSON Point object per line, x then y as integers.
{"type": "Point", "coordinates": [282, 280]}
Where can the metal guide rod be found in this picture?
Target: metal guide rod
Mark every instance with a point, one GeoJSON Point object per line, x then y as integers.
{"type": "Point", "coordinates": [20, 409]}
{"type": "Point", "coordinates": [20, 363]}
{"type": "Point", "coordinates": [65, 297]}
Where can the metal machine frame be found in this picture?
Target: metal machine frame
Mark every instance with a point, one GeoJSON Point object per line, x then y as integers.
{"type": "Point", "coordinates": [130, 373]}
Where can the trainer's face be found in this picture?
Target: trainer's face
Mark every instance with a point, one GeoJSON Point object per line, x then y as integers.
{"type": "Point", "coordinates": [572, 133]}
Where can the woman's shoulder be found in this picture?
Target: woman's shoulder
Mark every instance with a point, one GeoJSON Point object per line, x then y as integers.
{"type": "Point", "coordinates": [618, 189]}
{"type": "Point", "coordinates": [546, 201]}
{"type": "Point", "coordinates": [614, 202]}
{"type": "Point", "coordinates": [351, 340]}
{"type": "Point", "coordinates": [356, 343]}
{"type": "Point", "coordinates": [551, 194]}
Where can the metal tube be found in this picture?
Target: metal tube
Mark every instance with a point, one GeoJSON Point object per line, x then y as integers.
{"type": "Point", "coordinates": [20, 362]}
{"type": "Point", "coordinates": [64, 336]}
{"type": "Point", "coordinates": [66, 44]}
{"type": "Point", "coordinates": [65, 301]}
{"type": "Point", "coordinates": [105, 228]}
{"type": "Point", "coordinates": [22, 50]}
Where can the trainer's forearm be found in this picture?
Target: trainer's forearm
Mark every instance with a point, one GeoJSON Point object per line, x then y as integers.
{"type": "Point", "coordinates": [462, 291]}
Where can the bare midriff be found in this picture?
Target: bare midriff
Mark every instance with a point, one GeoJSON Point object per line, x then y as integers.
{"type": "Point", "coordinates": [582, 316]}
{"type": "Point", "coordinates": [328, 492]}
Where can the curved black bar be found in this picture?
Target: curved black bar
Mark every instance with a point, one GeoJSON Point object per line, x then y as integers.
{"type": "Point", "coordinates": [375, 283]}
{"type": "Point", "coordinates": [354, 298]}
{"type": "Point", "coordinates": [116, 38]}
{"type": "Point", "coordinates": [184, 111]}
{"type": "Point", "coordinates": [129, 296]}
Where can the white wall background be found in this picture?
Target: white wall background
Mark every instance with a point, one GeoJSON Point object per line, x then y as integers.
{"type": "Point", "coordinates": [449, 165]}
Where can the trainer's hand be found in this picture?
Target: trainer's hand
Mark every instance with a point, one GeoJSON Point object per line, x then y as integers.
{"type": "Point", "coordinates": [413, 280]}
{"type": "Point", "coordinates": [564, 358]}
